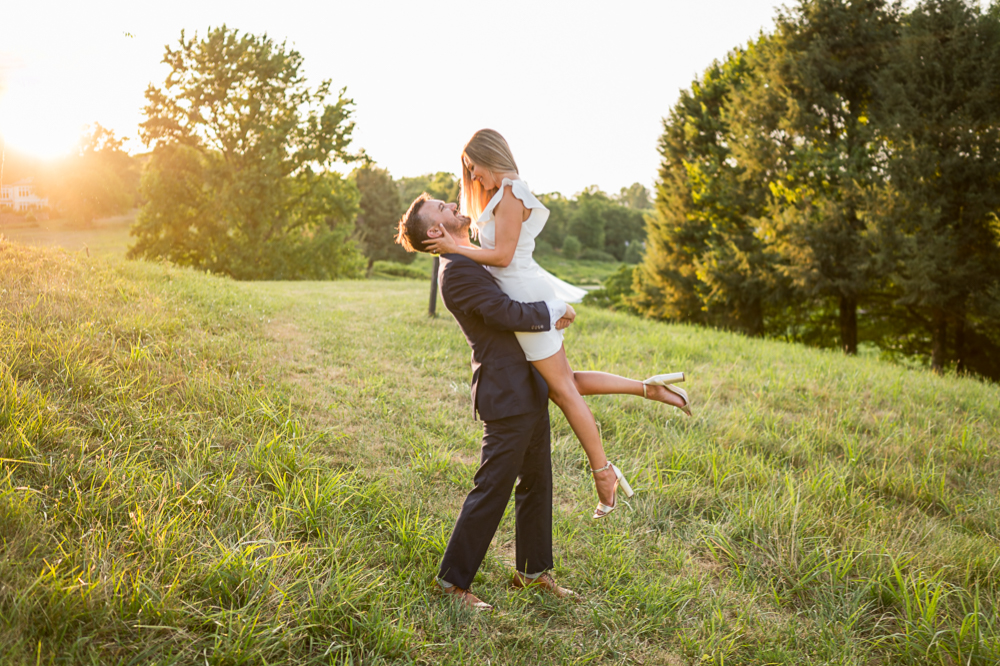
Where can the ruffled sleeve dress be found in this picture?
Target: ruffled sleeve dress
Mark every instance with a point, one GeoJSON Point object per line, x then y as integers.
{"type": "Point", "coordinates": [524, 280]}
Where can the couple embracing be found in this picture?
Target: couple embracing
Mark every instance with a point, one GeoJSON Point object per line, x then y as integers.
{"type": "Point", "coordinates": [513, 314]}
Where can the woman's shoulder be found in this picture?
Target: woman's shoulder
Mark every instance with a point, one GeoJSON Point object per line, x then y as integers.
{"type": "Point", "coordinates": [512, 190]}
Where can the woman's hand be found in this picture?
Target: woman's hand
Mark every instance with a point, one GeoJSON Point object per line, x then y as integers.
{"type": "Point", "coordinates": [440, 241]}
{"type": "Point", "coordinates": [567, 318]}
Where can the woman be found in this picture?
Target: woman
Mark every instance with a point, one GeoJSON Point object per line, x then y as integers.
{"type": "Point", "coordinates": [507, 220]}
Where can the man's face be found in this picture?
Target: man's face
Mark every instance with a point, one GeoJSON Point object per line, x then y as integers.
{"type": "Point", "coordinates": [440, 214]}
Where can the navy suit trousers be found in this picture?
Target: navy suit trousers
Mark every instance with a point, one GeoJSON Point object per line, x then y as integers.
{"type": "Point", "coordinates": [515, 449]}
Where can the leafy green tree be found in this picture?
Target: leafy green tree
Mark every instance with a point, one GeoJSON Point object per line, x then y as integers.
{"type": "Point", "coordinates": [607, 225]}
{"type": "Point", "coordinates": [937, 229]}
{"type": "Point", "coordinates": [633, 253]}
{"type": "Point", "coordinates": [587, 220]}
{"type": "Point", "coordinates": [805, 115]}
{"type": "Point", "coordinates": [616, 293]}
{"type": "Point", "coordinates": [380, 211]}
{"type": "Point", "coordinates": [560, 211]}
{"type": "Point", "coordinates": [635, 196]}
{"type": "Point", "coordinates": [571, 247]}
{"type": "Point", "coordinates": [442, 185]}
{"type": "Point", "coordinates": [703, 261]}
{"type": "Point", "coordinates": [99, 180]}
{"type": "Point", "coordinates": [239, 181]}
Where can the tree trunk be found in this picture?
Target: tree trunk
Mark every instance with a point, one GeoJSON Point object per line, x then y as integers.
{"type": "Point", "coordinates": [849, 324]}
{"type": "Point", "coordinates": [939, 346]}
{"type": "Point", "coordinates": [960, 351]}
{"type": "Point", "coordinates": [752, 318]}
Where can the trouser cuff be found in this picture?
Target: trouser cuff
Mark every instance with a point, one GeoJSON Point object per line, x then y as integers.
{"type": "Point", "coordinates": [443, 583]}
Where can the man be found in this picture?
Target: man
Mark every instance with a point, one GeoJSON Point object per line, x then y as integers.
{"type": "Point", "coordinates": [512, 400]}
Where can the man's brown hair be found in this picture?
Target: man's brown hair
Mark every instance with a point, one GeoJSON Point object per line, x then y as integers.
{"type": "Point", "coordinates": [412, 228]}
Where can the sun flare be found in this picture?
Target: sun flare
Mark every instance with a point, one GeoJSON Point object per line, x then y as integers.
{"type": "Point", "coordinates": [37, 134]}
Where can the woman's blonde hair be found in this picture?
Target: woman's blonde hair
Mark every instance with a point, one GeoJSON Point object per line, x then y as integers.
{"type": "Point", "coordinates": [488, 150]}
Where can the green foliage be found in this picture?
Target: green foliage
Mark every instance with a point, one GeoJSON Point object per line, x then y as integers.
{"type": "Point", "coordinates": [817, 81]}
{"type": "Point", "coordinates": [395, 269]}
{"type": "Point", "coordinates": [238, 182]}
{"type": "Point", "coordinates": [635, 196]}
{"type": "Point", "coordinates": [543, 247]}
{"type": "Point", "coordinates": [599, 222]}
{"type": "Point", "coordinates": [557, 226]}
{"type": "Point", "coordinates": [835, 181]}
{"type": "Point", "coordinates": [633, 253]}
{"type": "Point", "coordinates": [703, 260]}
{"type": "Point", "coordinates": [616, 293]}
{"type": "Point", "coordinates": [442, 186]}
{"type": "Point", "coordinates": [577, 271]}
{"type": "Point", "coordinates": [380, 210]}
{"type": "Point", "coordinates": [935, 220]}
{"type": "Point", "coordinates": [587, 221]}
{"type": "Point", "coordinates": [571, 247]}
{"type": "Point", "coordinates": [588, 254]}
{"type": "Point", "coordinates": [99, 180]}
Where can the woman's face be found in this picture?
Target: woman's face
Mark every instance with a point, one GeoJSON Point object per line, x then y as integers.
{"type": "Point", "coordinates": [481, 175]}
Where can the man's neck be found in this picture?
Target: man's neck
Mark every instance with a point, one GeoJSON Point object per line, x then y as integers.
{"type": "Point", "coordinates": [463, 238]}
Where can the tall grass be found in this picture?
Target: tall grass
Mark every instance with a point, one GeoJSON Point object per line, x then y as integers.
{"type": "Point", "coordinates": [201, 471]}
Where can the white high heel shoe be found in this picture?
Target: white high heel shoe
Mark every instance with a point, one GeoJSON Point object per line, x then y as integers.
{"type": "Point", "coordinates": [664, 381]}
{"type": "Point", "coordinates": [603, 509]}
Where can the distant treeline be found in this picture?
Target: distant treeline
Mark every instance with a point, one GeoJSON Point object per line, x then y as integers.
{"type": "Point", "coordinates": [837, 182]}
{"type": "Point", "coordinates": [592, 225]}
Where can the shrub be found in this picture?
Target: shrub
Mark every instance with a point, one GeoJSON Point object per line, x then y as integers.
{"type": "Point", "coordinates": [393, 269]}
{"type": "Point", "coordinates": [633, 253]}
{"type": "Point", "coordinates": [543, 247]}
{"type": "Point", "coordinates": [616, 292]}
{"type": "Point", "coordinates": [590, 254]}
{"type": "Point", "coordinates": [571, 247]}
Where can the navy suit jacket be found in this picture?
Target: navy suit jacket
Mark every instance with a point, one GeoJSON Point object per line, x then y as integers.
{"type": "Point", "coordinates": [504, 383]}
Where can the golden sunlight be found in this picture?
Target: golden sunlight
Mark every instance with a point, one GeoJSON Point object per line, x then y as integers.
{"type": "Point", "coordinates": [27, 127]}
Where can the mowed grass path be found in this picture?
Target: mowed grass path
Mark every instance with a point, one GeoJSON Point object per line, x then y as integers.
{"type": "Point", "coordinates": [201, 471]}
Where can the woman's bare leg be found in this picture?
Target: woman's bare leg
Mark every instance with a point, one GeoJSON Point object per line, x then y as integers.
{"type": "Point", "coordinates": [603, 383]}
{"type": "Point", "coordinates": [563, 391]}
{"type": "Point", "coordinates": [567, 388]}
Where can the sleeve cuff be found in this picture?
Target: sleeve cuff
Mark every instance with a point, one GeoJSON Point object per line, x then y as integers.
{"type": "Point", "coordinates": [557, 308]}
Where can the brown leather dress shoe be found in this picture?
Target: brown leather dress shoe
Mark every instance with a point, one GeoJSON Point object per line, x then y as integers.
{"type": "Point", "coordinates": [547, 583]}
{"type": "Point", "coordinates": [467, 599]}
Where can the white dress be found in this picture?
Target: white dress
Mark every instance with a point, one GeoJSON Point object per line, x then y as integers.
{"type": "Point", "coordinates": [524, 280]}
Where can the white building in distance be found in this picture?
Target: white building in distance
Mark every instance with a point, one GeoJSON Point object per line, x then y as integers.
{"type": "Point", "coordinates": [20, 196]}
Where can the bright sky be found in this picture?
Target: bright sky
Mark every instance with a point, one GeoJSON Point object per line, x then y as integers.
{"type": "Point", "coordinates": [579, 89]}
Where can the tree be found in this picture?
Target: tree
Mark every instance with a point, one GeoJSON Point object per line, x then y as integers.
{"type": "Point", "coordinates": [587, 220]}
{"type": "Point", "coordinates": [938, 234]}
{"type": "Point", "coordinates": [560, 211]}
{"type": "Point", "coordinates": [380, 211]}
{"type": "Point", "coordinates": [442, 186]}
{"type": "Point", "coordinates": [571, 247]}
{"type": "Point", "coordinates": [99, 180]}
{"type": "Point", "coordinates": [810, 102]}
{"type": "Point", "coordinates": [635, 196]}
{"type": "Point", "coordinates": [703, 261]}
{"type": "Point", "coordinates": [239, 181]}
{"type": "Point", "coordinates": [623, 227]}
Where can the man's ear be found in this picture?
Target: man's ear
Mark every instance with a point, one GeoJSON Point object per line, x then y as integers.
{"type": "Point", "coordinates": [435, 232]}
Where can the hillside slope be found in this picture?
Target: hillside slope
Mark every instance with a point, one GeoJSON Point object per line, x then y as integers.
{"type": "Point", "coordinates": [198, 470]}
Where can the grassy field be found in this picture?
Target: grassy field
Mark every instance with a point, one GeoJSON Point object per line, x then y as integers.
{"type": "Point", "coordinates": [578, 271]}
{"type": "Point", "coordinates": [105, 237]}
{"type": "Point", "coordinates": [196, 470]}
